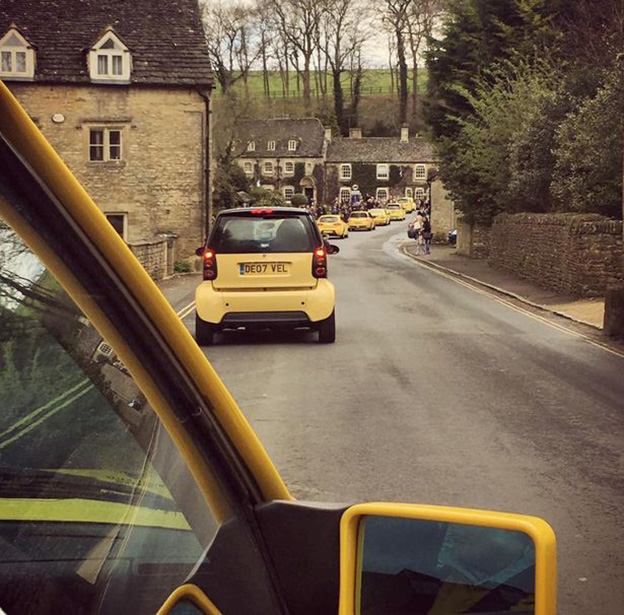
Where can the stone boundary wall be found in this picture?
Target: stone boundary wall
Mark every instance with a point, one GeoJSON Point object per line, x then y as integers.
{"type": "Point", "coordinates": [153, 256]}
{"type": "Point", "coordinates": [576, 254]}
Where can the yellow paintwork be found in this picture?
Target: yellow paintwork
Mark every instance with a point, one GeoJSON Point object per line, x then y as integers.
{"type": "Point", "coordinates": [337, 229]}
{"type": "Point", "coordinates": [317, 302]}
{"type": "Point", "coordinates": [367, 222]}
{"type": "Point", "coordinates": [77, 510]}
{"type": "Point", "coordinates": [541, 533]}
{"type": "Point", "coordinates": [19, 130]}
{"type": "Point", "coordinates": [193, 594]}
{"type": "Point", "coordinates": [407, 203]}
{"type": "Point", "coordinates": [381, 216]}
{"type": "Point", "coordinates": [395, 214]}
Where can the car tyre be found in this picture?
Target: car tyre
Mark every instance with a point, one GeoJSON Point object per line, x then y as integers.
{"type": "Point", "coordinates": [327, 330]}
{"type": "Point", "coordinates": [204, 332]}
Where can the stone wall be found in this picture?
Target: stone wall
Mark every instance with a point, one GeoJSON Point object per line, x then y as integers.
{"type": "Point", "coordinates": [575, 254]}
{"type": "Point", "coordinates": [153, 256]}
{"type": "Point", "coordinates": [158, 183]}
{"type": "Point", "coordinates": [473, 239]}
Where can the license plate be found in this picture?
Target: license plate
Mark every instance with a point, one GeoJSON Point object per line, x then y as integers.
{"type": "Point", "coordinates": [251, 269]}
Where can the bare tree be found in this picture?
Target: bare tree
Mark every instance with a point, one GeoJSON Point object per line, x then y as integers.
{"type": "Point", "coordinates": [344, 23]}
{"type": "Point", "coordinates": [396, 16]}
{"type": "Point", "coordinates": [299, 21]}
{"type": "Point", "coordinates": [422, 17]}
{"type": "Point", "coordinates": [229, 29]}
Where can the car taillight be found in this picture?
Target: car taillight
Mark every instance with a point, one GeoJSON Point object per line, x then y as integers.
{"type": "Point", "coordinates": [210, 265]}
{"type": "Point", "coordinates": [319, 263]}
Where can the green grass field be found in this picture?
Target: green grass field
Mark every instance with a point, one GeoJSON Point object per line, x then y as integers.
{"type": "Point", "coordinates": [375, 82]}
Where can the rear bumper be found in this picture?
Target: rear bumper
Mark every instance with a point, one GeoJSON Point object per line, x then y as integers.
{"type": "Point", "coordinates": [299, 307]}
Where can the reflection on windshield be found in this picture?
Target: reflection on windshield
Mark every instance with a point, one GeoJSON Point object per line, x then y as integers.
{"type": "Point", "coordinates": [91, 487]}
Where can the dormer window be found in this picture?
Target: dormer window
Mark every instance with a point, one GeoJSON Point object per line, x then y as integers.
{"type": "Point", "coordinates": [17, 57]}
{"type": "Point", "coordinates": [292, 145]}
{"type": "Point", "coordinates": [251, 146]}
{"type": "Point", "coordinates": [271, 146]}
{"type": "Point", "coordinates": [110, 60]}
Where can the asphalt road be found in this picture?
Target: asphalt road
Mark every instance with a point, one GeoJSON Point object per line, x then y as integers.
{"type": "Point", "coordinates": [437, 393]}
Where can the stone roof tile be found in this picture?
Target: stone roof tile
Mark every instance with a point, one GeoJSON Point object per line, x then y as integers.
{"type": "Point", "coordinates": [380, 150]}
{"type": "Point", "coordinates": [165, 37]}
{"type": "Point", "coordinates": [308, 133]}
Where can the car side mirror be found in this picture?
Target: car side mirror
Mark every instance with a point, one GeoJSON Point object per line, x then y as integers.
{"type": "Point", "coordinates": [331, 248]}
{"type": "Point", "coordinates": [200, 251]}
{"type": "Point", "coordinates": [398, 558]}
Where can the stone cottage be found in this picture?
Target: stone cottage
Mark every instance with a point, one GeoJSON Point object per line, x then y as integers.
{"type": "Point", "coordinates": [283, 154]}
{"type": "Point", "coordinates": [122, 91]}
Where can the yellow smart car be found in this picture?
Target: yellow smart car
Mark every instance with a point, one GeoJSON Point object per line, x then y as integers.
{"type": "Point", "coordinates": [265, 268]}
{"type": "Point", "coordinates": [407, 203]}
{"type": "Point", "coordinates": [381, 216]}
{"type": "Point", "coordinates": [333, 225]}
{"type": "Point", "coordinates": [361, 220]}
{"type": "Point", "coordinates": [396, 211]}
{"type": "Point", "coordinates": [133, 483]}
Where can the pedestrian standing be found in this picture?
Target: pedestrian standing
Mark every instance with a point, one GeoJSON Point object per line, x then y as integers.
{"type": "Point", "coordinates": [427, 234]}
{"type": "Point", "coordinates": [417, 225]}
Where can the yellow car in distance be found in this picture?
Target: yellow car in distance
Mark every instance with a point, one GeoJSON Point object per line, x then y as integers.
{"type": "Point", "coordinates": [396, 211]}
{"type": "Point", "coordinates": [407, 203]}
{"type": "Point", "coordinates": [361, 220]}
{"type": "Point", "coordinates": [333, 225]}
{"type": "Point", "coordinates": [381, 216]}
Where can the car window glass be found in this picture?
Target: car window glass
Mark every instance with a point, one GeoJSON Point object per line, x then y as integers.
{"type": "Point", "coordinates": [359, 215]}
{"type": "Point", "coordinates": [98, 513]}
{"type": "Point", "coordinates": [238, 234]}
{"type": "Point", "coordinates": [329, 219]}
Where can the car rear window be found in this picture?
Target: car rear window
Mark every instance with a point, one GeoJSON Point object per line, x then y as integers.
{"type": "Point", "coordinates": [250, 234]}
{"type": "Point", "coordinates": [329, 219]}
{"type": "Point", "coordinates": [359, 215]}
{"type": "Point", "coordinates": [394, 207]}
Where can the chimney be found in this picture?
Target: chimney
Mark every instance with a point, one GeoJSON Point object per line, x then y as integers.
{"type": "Point", "coordinates": [405, 133]}
{"type": "Point", "coordinates": [355, 133]}
{"type": "Point", "coordinates": [328, 135]}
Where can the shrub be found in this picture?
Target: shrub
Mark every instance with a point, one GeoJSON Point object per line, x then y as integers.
{"type": "Point", "coordinates": [182, 267]}
{"type": "Point", "coordinates": [299, 200]}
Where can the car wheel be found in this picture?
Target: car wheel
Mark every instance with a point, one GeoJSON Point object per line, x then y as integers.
{"type": "Point", "coordinates": [327, 330]}
{"type": "Point", "coordinates": [204, 332]}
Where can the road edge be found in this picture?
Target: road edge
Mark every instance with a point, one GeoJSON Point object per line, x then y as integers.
{"type": "Point", "coordinates": [502, 291]}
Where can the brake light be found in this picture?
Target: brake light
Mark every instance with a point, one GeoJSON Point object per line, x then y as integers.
{"type": "Point", "coordinates": [259, 212]}
{"type": "Point", "coordinates": [319, 263]}
{"type": "Point", "coordinates": [210, 265]}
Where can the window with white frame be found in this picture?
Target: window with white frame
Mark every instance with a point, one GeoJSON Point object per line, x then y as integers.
{"type": "Point", "coordinates": [419, 193]}
{"type": "Point", "coordinates": [17, 57]}
{"type": "Point", "coordinates": [292, 145]}
{"type": "Point", "coordinates": [248, 168]}
{"type": "Point", "coordinates": [251, 146]}
{"type": "Point", "coordinates": [268, 168]}
{"type": "Point", "coordinates": [345, 172]}
{"type": "Point", "coordinates": [383, 171]}
{"type": "Point", "coordinates": [420, 171]}
{"type": "Point", "coordinates": [105, 144]}
{"type": "Point", "coordinates": [289, 167]}
{"type": "Point", "coordinates": [382, 194]}
{"type": "Point", "coordinates": [110, 60]}
{"type": "Point", "coordinates": [409, 192]}
{"type": "Point", "coordinates": [289, 192]}
{"type": "Point", "coordinates": [271, 146]}
{"type": "Point", "coordinates": [345, 195]}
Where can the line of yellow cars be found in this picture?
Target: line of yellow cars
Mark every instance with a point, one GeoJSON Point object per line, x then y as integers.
{"type": "Point", "coordinates": [366, 220]}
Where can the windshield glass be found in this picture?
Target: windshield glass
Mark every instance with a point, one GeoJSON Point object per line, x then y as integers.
{"type": "Point", "coordinates": [329, 219]}
{"type": "Point", "coordinates": [359, 214]}
{"type": "Point", "coordinates": [94, 498]}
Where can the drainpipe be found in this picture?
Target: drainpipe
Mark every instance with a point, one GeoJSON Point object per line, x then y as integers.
{"type": "Point", "coordinates": [207, 96]}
